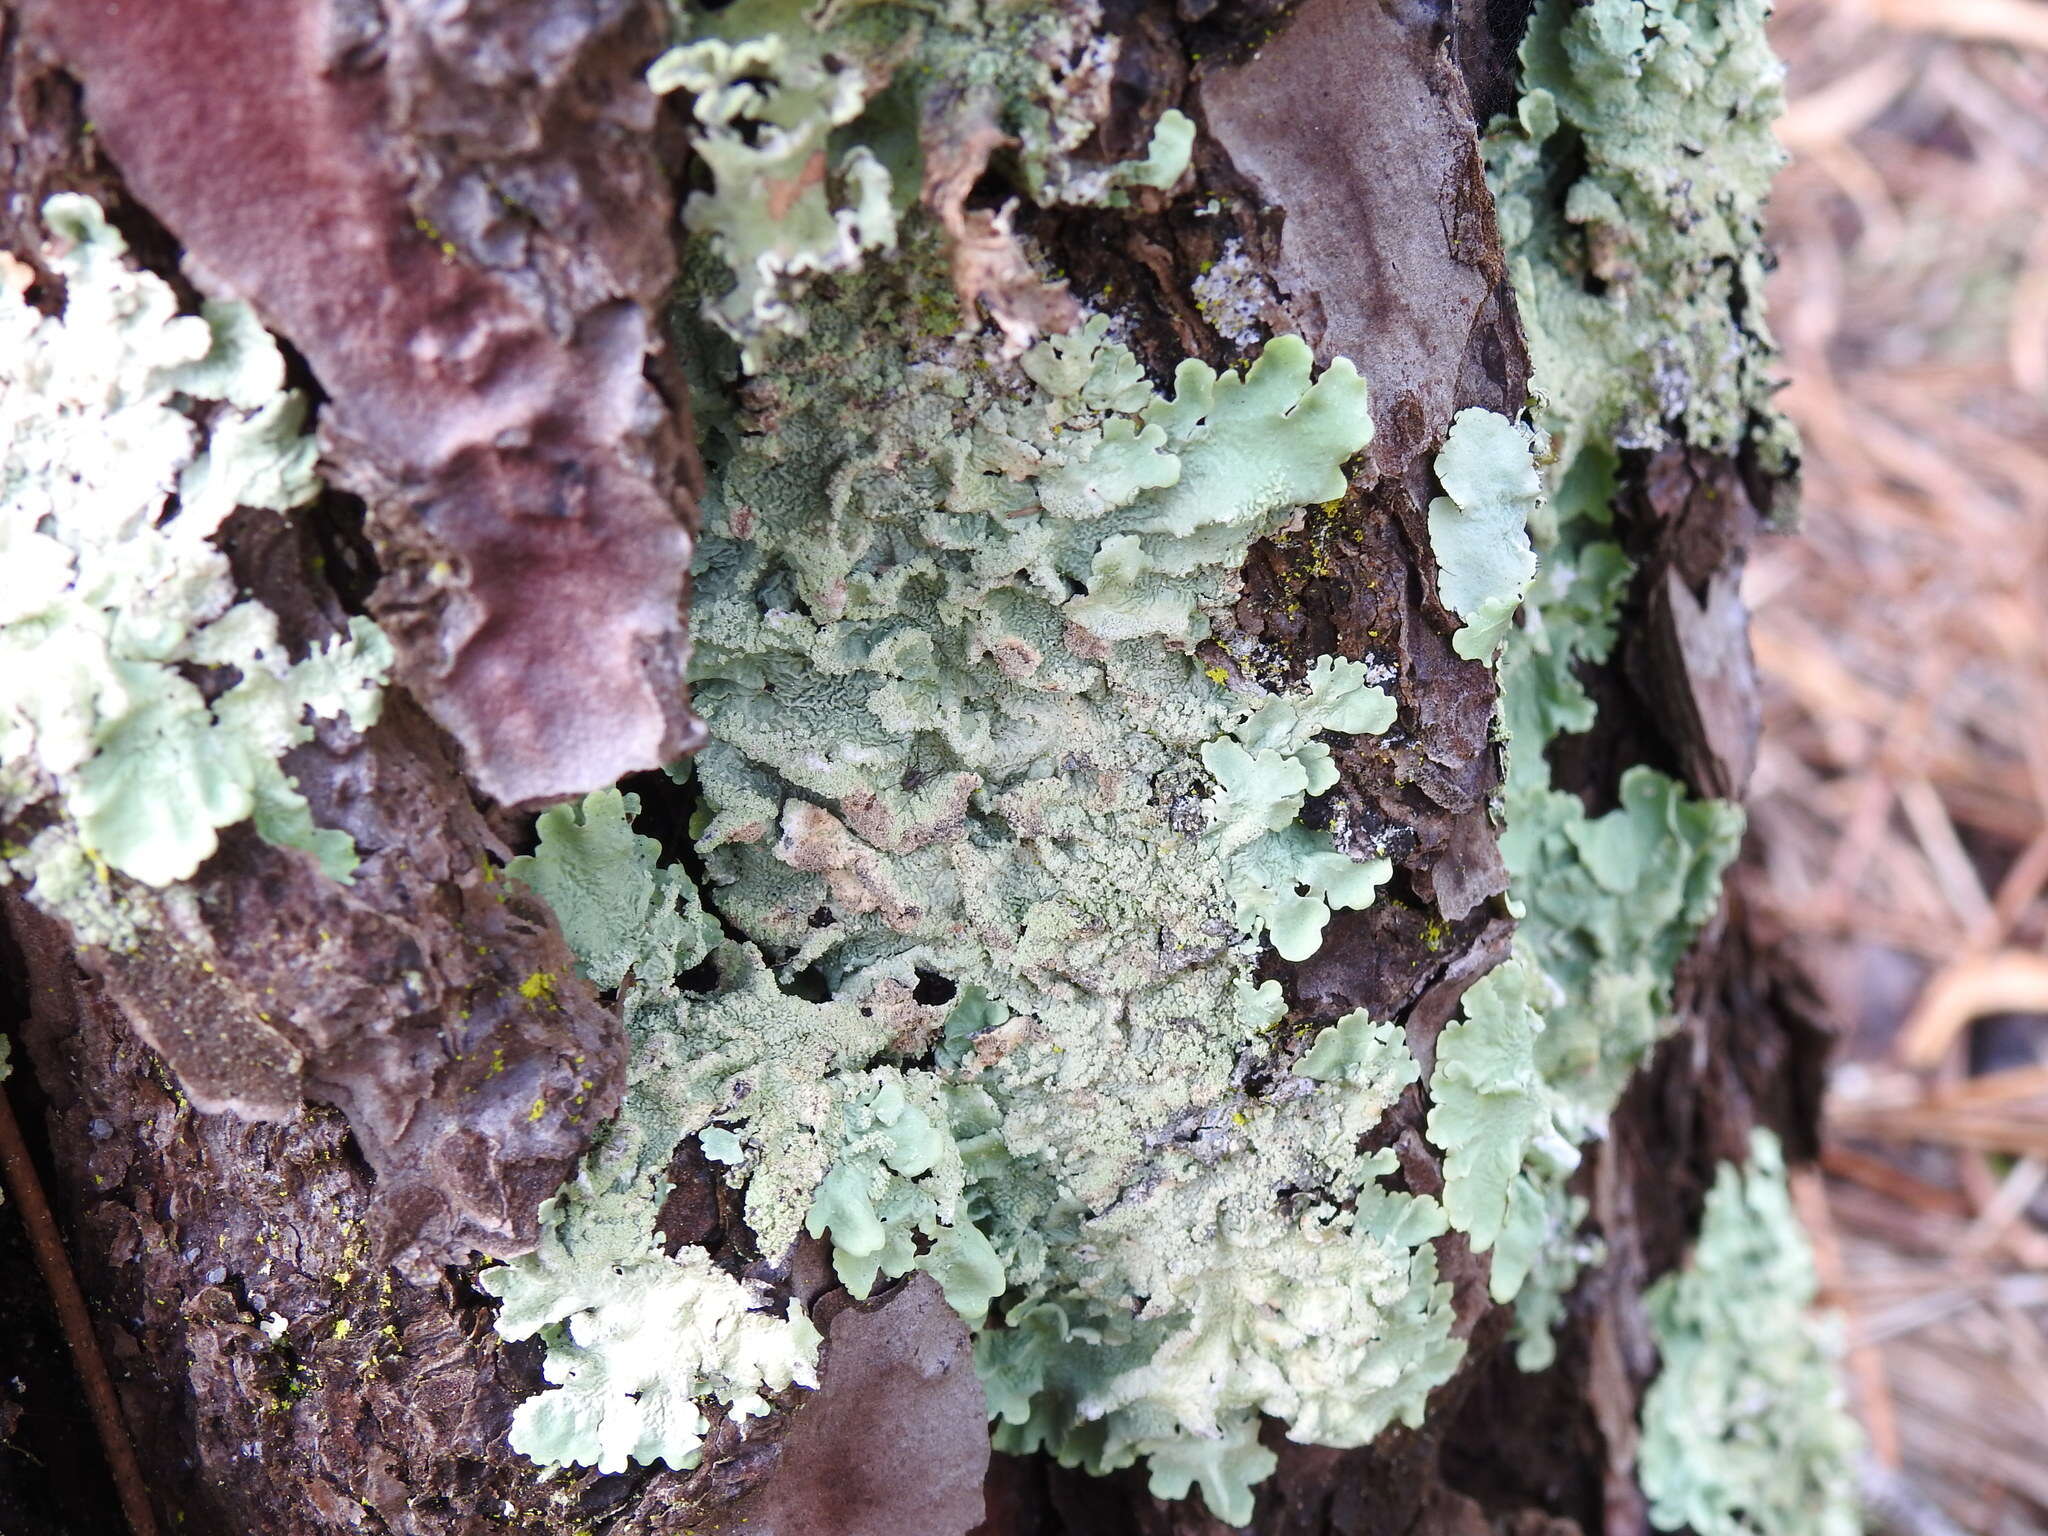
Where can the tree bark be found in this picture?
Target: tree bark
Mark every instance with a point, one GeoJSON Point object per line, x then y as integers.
{"type": "Point", "coordinates": [370, 1170]}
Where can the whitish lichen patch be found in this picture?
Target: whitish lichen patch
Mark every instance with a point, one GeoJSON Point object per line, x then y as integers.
{"type": "Point", "coordinates": [142, 705]}
{"type": "Point", "coordinates": [1630, 187]}
{"type": "Point", "coordinates": [638, 1339]}
{"type": "Point", "coordinates": [1235, 296]}
{"type": "Point", "coordinates": [1745, 1429]}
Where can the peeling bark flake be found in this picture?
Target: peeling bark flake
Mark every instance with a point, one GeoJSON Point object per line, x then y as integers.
{"type": "Point", "coordinates": [456, 216]}
{"type": "Point", "coordinates": [1359, 158]}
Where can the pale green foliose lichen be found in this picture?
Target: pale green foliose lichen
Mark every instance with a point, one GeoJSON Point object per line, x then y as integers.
{"type": "Point", "coordinates": [1165, 161]}
{"type": "Point", "coordinates": [1493, 1112]}
{"type": "Point", "coordinates": [637, 1339]}
{"type": "Point", "coordinates": [1285, 878]}
{"type": "Point", "coordinates": [808, 118]}
{"type": "Point", "coordinates": [128, 433]}
{"type": "Point", "coordinates": [1479, 527]}
{"type": "Point", "coordinates": [1607, 904]}
{"type": "Point", "coordinates": [1166, 157]}
{"type": "Point", "coordinates": [621, 911]}
{"type": "Point", "coordinates": [781, 208]}
{"type": "Point", "coordinates": [1630, 187]}
{"type": "Point", "coordinates": [1745, 1431]}
{"type": "Point", "coordinates": [996, 850]}
{"type": "Point", "coordinates": [994, 853]}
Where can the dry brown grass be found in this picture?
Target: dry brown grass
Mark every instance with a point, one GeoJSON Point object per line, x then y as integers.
{"type": "Point", "coordinates": [1901, 803]}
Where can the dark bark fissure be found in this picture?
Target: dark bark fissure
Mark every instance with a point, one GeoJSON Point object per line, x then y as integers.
{"type": "Point", "coordinates": [390, 1394]}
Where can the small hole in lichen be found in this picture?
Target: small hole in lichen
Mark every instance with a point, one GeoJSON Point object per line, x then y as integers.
{"type": "Point", "coordinates": [822, 918]}
{"type": "Point", "coordinates": [991, 189]}
{"type": "Point", "coordinates": [810, 984]}
{"type": "Point", "coordinates": [933, 989]}
{"type": "Point", "coordinates": [701, 977]}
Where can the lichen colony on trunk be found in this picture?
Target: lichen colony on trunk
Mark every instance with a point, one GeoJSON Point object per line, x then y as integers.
{"type": "Point", "coordinates": [1137, 884]}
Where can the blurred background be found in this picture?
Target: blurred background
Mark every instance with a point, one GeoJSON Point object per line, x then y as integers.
{"type": "Point", "coordinates": [1901, 803]}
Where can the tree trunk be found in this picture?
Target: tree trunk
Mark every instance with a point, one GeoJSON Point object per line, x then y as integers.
{"type": "Point", "coordinates": [290, 1123]}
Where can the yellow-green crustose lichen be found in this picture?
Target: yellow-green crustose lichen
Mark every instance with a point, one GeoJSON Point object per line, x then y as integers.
{"type": "Point", "coordinates": [128, 433]}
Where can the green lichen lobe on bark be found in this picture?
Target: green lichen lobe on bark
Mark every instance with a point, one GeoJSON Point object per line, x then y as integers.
{"type": "Point", "coordinates": [1630, 188]}
{"type": "Point", "coordinates": [935, 757]}
{"type": "Point", "coordinates": [994, 821]}
{"type": "Point", "coordinates": [131, 433]}
{"type": "Point", "coordinates": [1745, 1430]}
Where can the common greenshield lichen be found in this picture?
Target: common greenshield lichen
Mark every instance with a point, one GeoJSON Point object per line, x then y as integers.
{"type": "Point", "coordinates": [990, 832]}
{"type": "Point", "coordinates": [1606, 904]}
{"type": "Point", "coordinates": [1164, 162]}
{"type": "Point", "coordinates": [1285, 878]}
{"type": "Point", "coordinates": [638, 1339]}
{"type": "Point", "coordinates": [782, 208]}
{"type": "Point", "coordinates": [994, 848]}
{"type": "Point", "coordinates": [1630, 188]}
{"type": "Point", "coordinates": [1479, 527]}
{"type": "Point", "coordinates": [811, 130]}
{"type": "Point", "coordinates": [1744, 1430]}
{"type": "Point", "coordinates": [128, 433]}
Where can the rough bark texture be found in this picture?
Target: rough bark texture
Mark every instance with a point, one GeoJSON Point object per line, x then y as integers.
{"type": "Point", "coordinates": [488, 400]}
